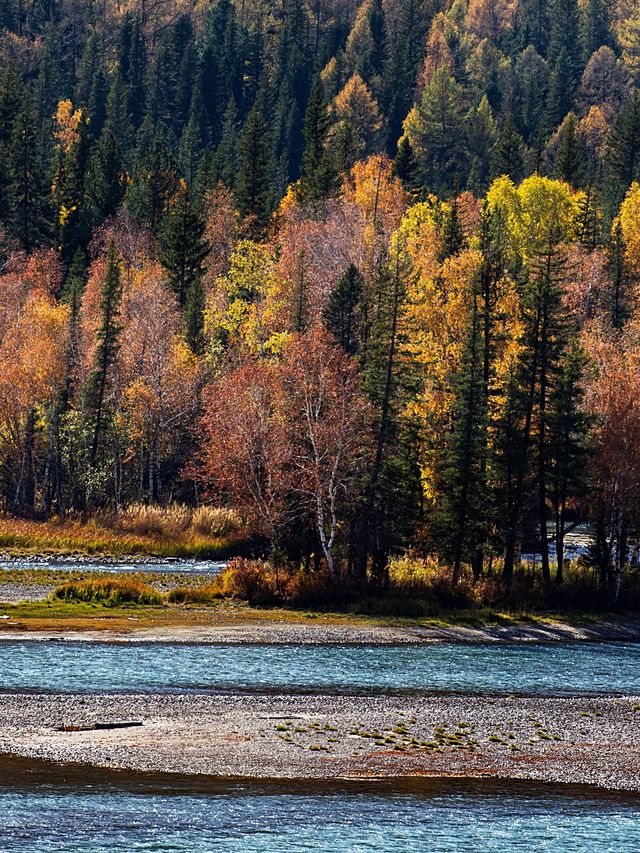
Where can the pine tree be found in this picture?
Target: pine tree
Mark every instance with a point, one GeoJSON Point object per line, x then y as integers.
{"type": "Point", "coordinates": [401, 67]}
{"type": "Point", "coordinates": [526, 440]}
{"type": "Point", "coordinates": [569, 163]}
{"type": "Point", "coordinates": [559, 98]}
{"type": "Point", "coordinates": [155, 182]}
{"type": "Point", "coordinates": [619, 279]}
{"type": "Point", "coordinates": [482, 136]}
{"type": "Point", "coordinates": [440, 131]}
{"type": "Point", "coordinates": [391, 484]}
{"type": "Point", "coordinates": [595, 29]}
{"type": "Point", "coordinates": [28, 213]}
{"type": "Point", "coordinates": [508, 156]}
{"type": "Point", "coordinates": [108, 335]}
{"type": "Point", "coordinates": [318, 169]}
{"type": "Point", "coordinates": [341, 316]}
{"type": "Point", "coordinates": [132, 66]}
{"type": "Point", "coordinates": [255, 167]}
{"type": "Point", "coordinates": [184, 249]}
{"type": "Point", "coordinates": [105, 179]}
{"type": "Point", "coordinates": [623, 150]}
{"type": "Point", "coordinates": [564, 38]}
{"type": "Point", "coordinates": [118, 122]}
{"type": "Point", "coordinates": [406, 167]}
{"type": "Point", "coordinates": [463, 498]}
{"type": "Point", "coordinates": [568, 429]}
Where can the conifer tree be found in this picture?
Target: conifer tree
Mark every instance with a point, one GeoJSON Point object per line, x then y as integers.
{"type": "Point", "coordinates": [108, 335]}
{"type": "Point", "coordinates": [105, 179]}
{"type": "Point", "coordinates": [341, 315]}
{"type": "Point", "coordinates": [463, 499]}
{"type": "Point", "coordinates": [28, 214]}
{"type": "Point", "coordinates": [568, 452]}
{"type": "Point", "coordinates": [184, 250]}
{"type": "Point", "coordinates": [569, 163]}
{"type": "Point", "coordinates": [318, 170]}
{"type": "Point", "coordinates": [405, 165]}
{"type": "Point", "coordinates": [564, 39]}
{"type": "Point", "coordinates": [508, 156]}
{"type": "Point", "coordinates": [595, 28]}
{"type": "Point", "coordinates": [623, 149]}
{"type": "Point", "coordinates": [255, 168]}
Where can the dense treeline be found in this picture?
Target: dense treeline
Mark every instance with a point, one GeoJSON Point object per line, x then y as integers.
{"type": "Point", "coordinates": [383, 255]}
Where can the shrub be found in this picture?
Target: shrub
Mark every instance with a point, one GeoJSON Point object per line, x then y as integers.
{"type": "Point", "coordinates": [249, 580]}
{"type": "Point", "coordinates": [205, 594]}
{"type": "Point", "coordinates": [109, 591]}
{"type": "Point", "coordinates": [313, 589]}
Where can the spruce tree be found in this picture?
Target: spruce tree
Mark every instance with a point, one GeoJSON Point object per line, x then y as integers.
{"type": "Point", "coordinates": [184, 249]}
{"type": "Point", "coordinates": [623, 150]}
{"type": "Point", "coordinates": [595, 29]}
{"type": "Point", "coordinates": [559, 97]}
{"type": "Point", "coordinates": [28, 212]}
{"type": "Point", "coordinates": [342, 314]}
{"type": "Point", "coordinates": [105, 178]}
{"type": "Point", "coordinates": [564, 39]}
{"type": "Point", "coordinates": [569, 163]}
{"type": "Point", "coordinates": [508, 155]}
{"type": "Point", "coordinates": [318, 169]}
{"type": "Point", "coordinates": [108, 335]}
{"type": "Point", "coordinates": [406, 167]}
{"type": "Point", "coordinates": [255, 168]}
{"type": "Point", "coordinates": [568, 452]}
{"type": "Point", "coordinates": [462, 498]}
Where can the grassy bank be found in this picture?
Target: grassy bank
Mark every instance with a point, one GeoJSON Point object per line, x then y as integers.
{"type": "Point", "coordinates": [118, 537]}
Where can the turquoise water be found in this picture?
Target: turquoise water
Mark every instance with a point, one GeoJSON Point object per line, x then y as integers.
{"type": "Point", "coordinates": [183, 567]}
{"type": "Point", "coordinates": [563, 669]}
{"type": "Point", "coordinates": [438, 817]}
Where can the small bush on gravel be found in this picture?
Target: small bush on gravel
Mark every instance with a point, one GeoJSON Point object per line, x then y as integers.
{"type": "Point", "coordinates": [109, 591]}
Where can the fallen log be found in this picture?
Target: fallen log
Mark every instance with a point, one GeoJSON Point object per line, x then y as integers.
{"type": "Point", "coordinates": [101, 726]}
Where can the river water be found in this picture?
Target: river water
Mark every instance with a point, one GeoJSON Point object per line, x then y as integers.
{"type": "Point", "coordinates": [560, 669]}
{"type": "Point", "coordinates": [429, 816]}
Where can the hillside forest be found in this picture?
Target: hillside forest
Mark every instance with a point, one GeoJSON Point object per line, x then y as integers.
{"type": "Point", "coordinates": [366, 272]}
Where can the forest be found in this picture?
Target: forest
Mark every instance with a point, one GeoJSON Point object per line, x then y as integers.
{"type": "Point", "coordinates": [367, 273]}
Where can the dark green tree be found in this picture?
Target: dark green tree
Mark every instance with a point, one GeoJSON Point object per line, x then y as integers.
{"type": "Point", "coordinates": [570, 162]}
{"type": "Point", "coordinates": [28, 209]}
{"type": "Point", "coordinates": [568, 453]}
{"type": "Point", "coordinates": [105, 183]}
{"type": "Point", "coordinates": [318, 169]}
{"type": "Point", "coordinates": [623, 150]}
{"type": "Point", "coordinates": [342, 314]}
{"type": "Point", "coordinates": [255, 168]}
{"type": "Point", "coordinates": [184, 248]}
{"type": "Point", "coordinates": [595, 28]}
{"type": "Point", "coordinates": [194, 315]}
{"type": "Point", "coordinates": [108, 334]}
{"type": "Point", "coordinates": [508, 155]}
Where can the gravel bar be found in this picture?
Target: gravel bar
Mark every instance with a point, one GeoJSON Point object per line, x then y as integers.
{"type": "Point", "coordinates": [238, 629]}
{"type": "Point", "coordinates": [594, 741]}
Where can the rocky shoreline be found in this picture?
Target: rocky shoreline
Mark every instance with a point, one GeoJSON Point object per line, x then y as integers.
{"type": "Point", "coordinates": [593, 741]}
{"type": "Point", "coordinates": [236, 629]}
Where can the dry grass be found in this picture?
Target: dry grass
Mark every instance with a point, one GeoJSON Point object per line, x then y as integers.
{"type": "Point", "coordinates": [177, 520]}
{"type": "Point", "coordinates": [103, 535]}
{"type": "Point", "coordinates": [110, 592]}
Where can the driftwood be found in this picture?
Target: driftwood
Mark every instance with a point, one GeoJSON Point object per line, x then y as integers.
{"type": "Point", "coordinates": [101, 726]}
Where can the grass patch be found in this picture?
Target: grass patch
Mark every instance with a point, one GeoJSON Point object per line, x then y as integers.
{"type": "Point", "coordinates": [110, 592]}
{"type": "Point", "coordinates": [104, 537]}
